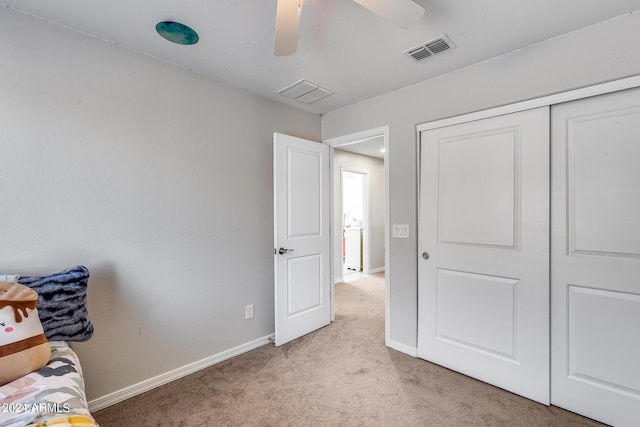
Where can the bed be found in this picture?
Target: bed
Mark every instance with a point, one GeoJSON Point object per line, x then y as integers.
{"type": "Point", "coordinates": [51, 391]}
{"type": "Point", "coordinates": [51, 396]}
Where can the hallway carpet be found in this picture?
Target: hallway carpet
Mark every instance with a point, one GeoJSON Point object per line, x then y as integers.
{"type": "Point", "coordinates": [340, 375]}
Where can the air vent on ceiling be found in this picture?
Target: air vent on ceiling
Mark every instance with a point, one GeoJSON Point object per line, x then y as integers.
{"type": "Point", "coordinates": [430, 48]}
{"type": "Point", "coordinates": [305, 91]}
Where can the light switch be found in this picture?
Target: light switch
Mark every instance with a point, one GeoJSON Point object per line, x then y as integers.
{"type": "Point", "coordinates": [400, 231]}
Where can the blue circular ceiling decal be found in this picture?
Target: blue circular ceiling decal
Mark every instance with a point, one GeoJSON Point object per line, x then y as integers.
{"type": "Point", "coordinates": [177, 33]}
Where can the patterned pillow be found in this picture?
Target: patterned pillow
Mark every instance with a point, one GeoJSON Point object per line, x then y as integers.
{"type": "Point", "coordinates": [62, 304]}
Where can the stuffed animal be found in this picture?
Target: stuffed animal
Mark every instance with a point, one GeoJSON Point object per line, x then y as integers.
{"type": "Point", "coordinates": [23, 345]}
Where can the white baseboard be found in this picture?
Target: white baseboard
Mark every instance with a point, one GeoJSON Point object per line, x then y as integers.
{"type": "Point", "coordinates": [167, 377]}
{"type": "Point", "coordinates": [402, 348]}
{"type": "Point", "coordinates": [338, 280]}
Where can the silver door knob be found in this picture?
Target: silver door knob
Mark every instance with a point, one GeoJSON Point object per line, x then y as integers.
{"type": "Point", "coordinates": [425, 255]}
{"type": "Point", "coordinates": [283, 251]}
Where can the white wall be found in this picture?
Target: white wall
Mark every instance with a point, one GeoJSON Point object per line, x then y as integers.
{"type": "Point", "coordinates": [593, 55]}
{"type": "Point", "coordinates": [155, 178]}
{"type": "Point", "coordinates": [375, 169]}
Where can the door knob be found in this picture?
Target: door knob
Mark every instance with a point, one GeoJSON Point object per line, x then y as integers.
{"type": "Point", "coordinates": [425, 255]}
{"type": "Point", "coordinates": [283, 251]}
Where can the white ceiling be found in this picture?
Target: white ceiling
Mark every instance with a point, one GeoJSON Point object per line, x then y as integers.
{"type": "Point", "coordinates": [342, 47]}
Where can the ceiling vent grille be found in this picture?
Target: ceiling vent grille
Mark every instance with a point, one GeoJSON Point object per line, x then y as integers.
{"type": "Point", "coordinates": [430, 48]}
{"type": "Point", "coordinates": [305, 91]}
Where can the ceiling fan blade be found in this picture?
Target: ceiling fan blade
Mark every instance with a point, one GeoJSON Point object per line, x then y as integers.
{"type": "Point", "coordinates": [287, 27]}
{"type": "Point", "coordinates": [403, 13]}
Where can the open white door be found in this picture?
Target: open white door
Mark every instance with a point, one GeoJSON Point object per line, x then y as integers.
{"type": "Point", "coordinates": [484, 228]}
{"type": "Point", "coordinates": [301, 237]}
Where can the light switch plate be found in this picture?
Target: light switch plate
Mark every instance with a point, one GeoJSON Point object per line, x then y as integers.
{"type": "Point", "coordinates": [400, 231]}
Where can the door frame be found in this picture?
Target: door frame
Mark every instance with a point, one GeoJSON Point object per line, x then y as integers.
{"type": "Point", "coordinates": [558, 98]}
{"type": "Point", "coordinates": [351, 139]}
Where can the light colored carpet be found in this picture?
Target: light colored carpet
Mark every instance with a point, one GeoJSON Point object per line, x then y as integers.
{"type": "Point", "coordinates": [340, 375]}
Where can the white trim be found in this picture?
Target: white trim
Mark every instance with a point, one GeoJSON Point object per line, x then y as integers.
{"type": "Point", "coordinates": [332, 226]}
{"type": "Point", "coordinates": [403, 348]}
{"type": "Point", "coordinates": [376, 270]}
{"type": "Point", "coordinates": [572, 95]}
{"type": "Point", "coordinates": [418, 195]}
{"type": "Point", "coordinates": [167, 377]}
{"type": "Point", "coordinates": [358, 137]}
{"type": "Point", "coordinates": [362, 136]}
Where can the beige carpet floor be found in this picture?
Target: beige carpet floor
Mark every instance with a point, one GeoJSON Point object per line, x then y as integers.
{"type": "Point", "coordinates": [340, 375]}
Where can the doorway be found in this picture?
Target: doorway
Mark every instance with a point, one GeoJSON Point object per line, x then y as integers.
{"type": "Point", "coordinates": [354, 189]}
{"type": "Point", "coordinates": [358, 210]}
{"type": "Point", "coordinates": [363, 153]}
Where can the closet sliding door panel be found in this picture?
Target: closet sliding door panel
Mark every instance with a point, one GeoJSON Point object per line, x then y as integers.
{"type": "Point", "coordinates": [483, 305]}
{"type": "Point", "coordinates": [595, 261]}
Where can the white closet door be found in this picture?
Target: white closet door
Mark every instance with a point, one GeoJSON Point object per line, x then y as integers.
{"type": "Point", "coordinates": [484, 229]}
{"type": "Point", "coordinates": [596, 257]}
